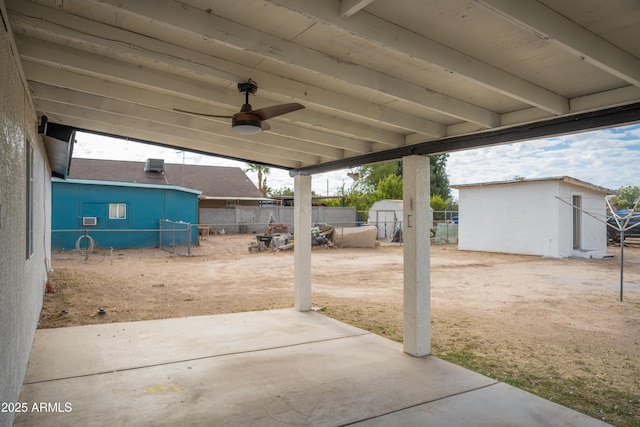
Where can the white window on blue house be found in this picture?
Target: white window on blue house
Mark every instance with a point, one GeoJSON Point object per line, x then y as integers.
{"type": "Point", "coordinates": [117, 211]}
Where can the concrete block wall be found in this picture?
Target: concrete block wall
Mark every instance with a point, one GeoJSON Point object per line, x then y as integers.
{"type": "Point", "coordinates": [218, 218]}
{"type": "Point", "coordinates": [345, 217]}
{"type": "Point", "coordinates": [22, 276]}
{"type": "Point", "coordinates": [250, 219]}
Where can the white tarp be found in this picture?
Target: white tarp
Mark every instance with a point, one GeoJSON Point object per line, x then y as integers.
{"type": "Point", "coordinates": [355, 237]}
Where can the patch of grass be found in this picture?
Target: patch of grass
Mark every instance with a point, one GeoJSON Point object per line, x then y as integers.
{"type": "Point", "coordinates": [589, 395]}
{"type": "Point", "coordinates": [65, 279]}
{"type": "Point", "coordinates": [380, 320]}
{"type": "Point", "coordinates": [57, 307]}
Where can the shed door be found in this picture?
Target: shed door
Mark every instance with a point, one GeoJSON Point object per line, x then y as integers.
{"type": "Point", "coordinates": [386, 221]}
{"type": "Point", "coordinates": [577, 222]}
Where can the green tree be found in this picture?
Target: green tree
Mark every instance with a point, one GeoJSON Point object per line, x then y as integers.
{"type": "Point", "coordinates": [389, 187]}
{"type": "Point", "coordinates": [332, 203]}
{"type": "Point", "coordinates": [370, 175]}
{"type": "Point", "coordinates": [384, 181]}
{"type": "Point", "coordinates": [280, 192]}
{"type": "Point", "coordinates": [361, 200]}
{"type": "Point", "coordinates": [262, 171]}
{"type": "Point", "coordinates": [438, 203]}
{"type": "Point", "coordinates": [627, 197]}
{"type": "Point", "coordinates": [439, 178]}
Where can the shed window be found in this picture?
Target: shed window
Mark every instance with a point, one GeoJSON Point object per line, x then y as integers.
{"type": "Point", "coordinates": [117, 211]}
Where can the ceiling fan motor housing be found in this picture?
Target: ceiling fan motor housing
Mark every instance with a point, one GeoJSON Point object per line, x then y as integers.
{"type": "Point", "coordinates": [248, 88]}
{"type": "Point", "coordinates": [246, 123]}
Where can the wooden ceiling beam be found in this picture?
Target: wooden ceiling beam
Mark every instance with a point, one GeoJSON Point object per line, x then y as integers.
{"type": "Point", "coordinates": [543, 21]}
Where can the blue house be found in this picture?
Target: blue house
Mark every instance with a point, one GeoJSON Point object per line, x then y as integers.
{"type": "Point", "coordinates": [119, 214]}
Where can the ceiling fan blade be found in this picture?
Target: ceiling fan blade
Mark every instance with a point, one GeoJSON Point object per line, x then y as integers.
{"type": "Point", "coordinates": [276, 110]}
{"type": "Point", "coordinates": [265, 126]}
{"type": "Point", "coordinates": [202, 114]}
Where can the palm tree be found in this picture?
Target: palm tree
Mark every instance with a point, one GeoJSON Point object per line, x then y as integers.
{"type": "Point", "coordinates": [262, 171]}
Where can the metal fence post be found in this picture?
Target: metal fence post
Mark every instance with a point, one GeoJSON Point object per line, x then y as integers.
{"type": "Point", "coordinates": [189, 239]}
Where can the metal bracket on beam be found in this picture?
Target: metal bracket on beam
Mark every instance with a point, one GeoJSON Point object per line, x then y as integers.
{"type": "Point", "coordinates": [42, 127]}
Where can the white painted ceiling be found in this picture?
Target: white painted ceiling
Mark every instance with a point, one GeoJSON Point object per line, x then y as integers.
{"type": "Point", "coordinates": [378, 78]}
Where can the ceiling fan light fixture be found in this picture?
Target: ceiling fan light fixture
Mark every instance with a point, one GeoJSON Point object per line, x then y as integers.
{"type": "Point", "coordinates": [246, 127]}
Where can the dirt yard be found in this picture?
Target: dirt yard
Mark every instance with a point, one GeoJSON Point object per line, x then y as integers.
{"type": "Point", "coordinates": [535, 322]}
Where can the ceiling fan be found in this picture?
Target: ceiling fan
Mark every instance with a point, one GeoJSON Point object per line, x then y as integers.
{"type": "Point", "coordinates": [249, 121]}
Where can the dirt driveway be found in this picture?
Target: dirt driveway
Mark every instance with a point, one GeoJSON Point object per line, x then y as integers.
{"type": "Point", "coordinates": [559, 319]}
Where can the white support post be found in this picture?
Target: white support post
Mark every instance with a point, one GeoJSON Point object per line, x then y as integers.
{"type": "Point", "coordinates": [302, 241]}
{"type": "Point", "coordinates": [417, 243]}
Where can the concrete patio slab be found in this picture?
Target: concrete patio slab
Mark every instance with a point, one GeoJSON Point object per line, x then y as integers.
{"type": "Point", "coordinates": [497, 405]}
{"type": "Point", "coordinates": [270, 368]}
{"type": "Point", "coordinates": [120, 346]}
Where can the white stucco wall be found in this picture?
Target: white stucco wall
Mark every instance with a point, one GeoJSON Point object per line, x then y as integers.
{"type": "Point", "coordinates": [22, 279]}
{"type": "Point", "coordinates": [527, 218]}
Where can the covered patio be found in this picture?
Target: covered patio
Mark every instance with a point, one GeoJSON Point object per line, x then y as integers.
{"type": "Point", "coordinates": [371, 82]}
{"type": "Point", "coordinates": [267, 368]}
{"type": "Point", "coordinates": [343, 84]}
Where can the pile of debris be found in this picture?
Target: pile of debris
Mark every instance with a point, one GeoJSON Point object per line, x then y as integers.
{"type": "Point", "coordinates": [271, 242]}
{"type": "Point", "coordinates": [277, 237]}
{"type": "Point", "coordinates": [321, 237]}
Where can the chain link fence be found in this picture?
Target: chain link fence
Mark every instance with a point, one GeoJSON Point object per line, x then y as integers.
{"type": "Point", "coordinates": [175, 237]}
{"type": "Point", "coordinates": [179, 238]}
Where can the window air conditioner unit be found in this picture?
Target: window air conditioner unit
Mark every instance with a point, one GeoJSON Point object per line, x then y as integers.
{"type": "Point", "coordinates": [89, 220]}
{"type": "Point", "coordinates": [154, 165]}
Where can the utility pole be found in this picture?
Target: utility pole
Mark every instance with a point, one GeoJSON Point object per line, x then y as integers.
{"type": "Point", "coordinates": [178, 152]}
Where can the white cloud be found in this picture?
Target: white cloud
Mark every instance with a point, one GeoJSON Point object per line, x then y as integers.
{"type": "Point", "coordinates": [608, 158]}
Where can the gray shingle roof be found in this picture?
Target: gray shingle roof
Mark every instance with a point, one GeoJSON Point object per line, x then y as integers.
{"type": "Point", "coordinates": [213, 181]}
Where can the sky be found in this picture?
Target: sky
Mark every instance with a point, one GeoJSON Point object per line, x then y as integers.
{"type": "Point", "coordinates": [608, 158]}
